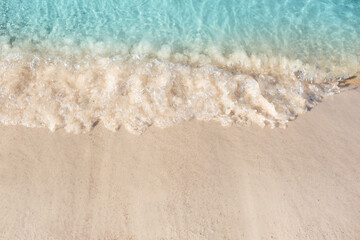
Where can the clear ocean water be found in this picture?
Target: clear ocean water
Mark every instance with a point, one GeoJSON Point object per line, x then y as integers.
{"type": "Point", "coordinates": [70, 63]}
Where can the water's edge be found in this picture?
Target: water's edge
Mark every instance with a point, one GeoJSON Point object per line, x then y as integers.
{"type": "Point", "coordinates": [137, 92]}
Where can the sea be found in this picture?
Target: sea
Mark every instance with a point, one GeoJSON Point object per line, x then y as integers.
{"type": "Point", "coordinates": [70, 64]}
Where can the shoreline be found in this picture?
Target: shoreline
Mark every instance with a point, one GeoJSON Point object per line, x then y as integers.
{"type": "Point", "coordinates": [195, 180]}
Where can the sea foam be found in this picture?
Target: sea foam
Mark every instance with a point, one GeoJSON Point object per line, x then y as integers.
{"type": "Point", "coordinates": [137, 91]}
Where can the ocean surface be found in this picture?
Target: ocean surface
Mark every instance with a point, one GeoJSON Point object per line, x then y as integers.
{"type": "Point", "coordinates": [136, 63]}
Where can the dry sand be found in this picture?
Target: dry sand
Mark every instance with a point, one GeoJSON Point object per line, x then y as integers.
{"type": "Point", "coordinates": [192, 181]}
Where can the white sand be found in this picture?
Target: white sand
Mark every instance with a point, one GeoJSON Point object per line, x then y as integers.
{"type": "Point", "coordinates": [192, 181]}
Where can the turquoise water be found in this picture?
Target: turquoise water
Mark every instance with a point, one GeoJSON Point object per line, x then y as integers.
{"type": "Point", "coordinates": [97, 55]}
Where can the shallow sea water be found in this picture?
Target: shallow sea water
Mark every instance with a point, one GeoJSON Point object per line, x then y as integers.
{"type": "Point", "coordinates": [70, 63]}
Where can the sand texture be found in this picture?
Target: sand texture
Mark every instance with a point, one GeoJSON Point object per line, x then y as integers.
{"type": "Point", "coordinates": [193, 181]}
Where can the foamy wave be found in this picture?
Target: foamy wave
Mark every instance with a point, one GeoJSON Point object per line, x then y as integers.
{"type": "Point", "coordinates": [136, 91]}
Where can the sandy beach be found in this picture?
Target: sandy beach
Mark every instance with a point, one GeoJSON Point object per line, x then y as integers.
{"type": "Point", "coordinates": [196, 180]}
{"type": "Point", "coordinates": [179, 120]}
